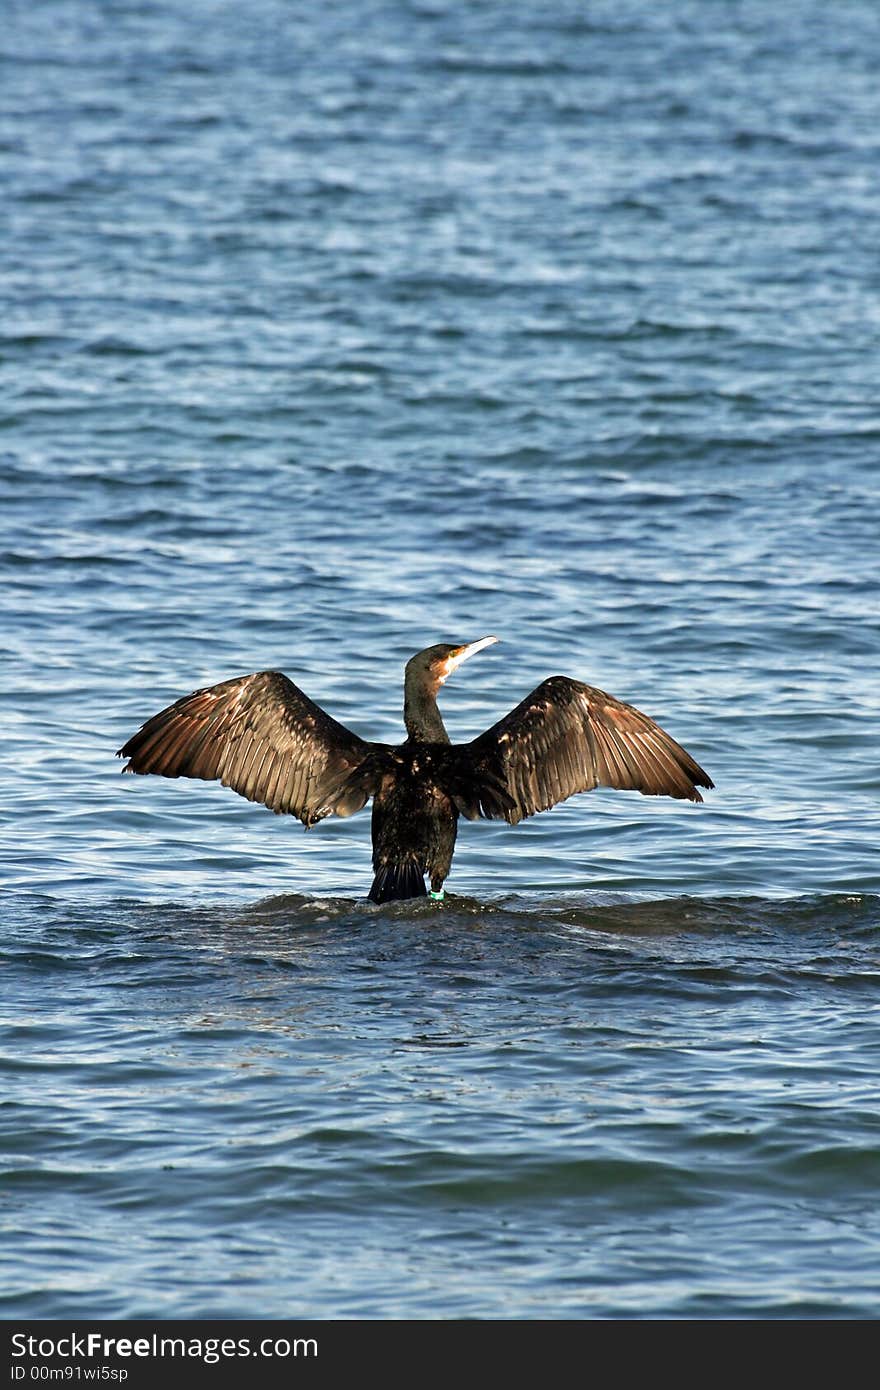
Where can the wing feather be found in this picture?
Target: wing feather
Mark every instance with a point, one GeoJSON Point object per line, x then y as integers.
{"type": "Point", "coordinates": [264, 738]}
{"type": "Point", "coordinates": [241, 769]}
{"type": "Point", "coordinates": [268, 782]}
{"type": "Point", "coordinates": [276, 772]}
{"type": "Point", "coordinates": [567, 737]}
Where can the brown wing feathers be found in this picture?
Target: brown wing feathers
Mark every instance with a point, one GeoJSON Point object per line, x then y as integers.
{"type": "Point", "coordinates": [567, 737]}
{"type": "Point", "coordinates": [261, 736]}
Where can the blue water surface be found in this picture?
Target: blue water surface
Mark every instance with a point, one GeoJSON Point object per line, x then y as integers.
{"type": "Point", "coordinates": [330, 332]}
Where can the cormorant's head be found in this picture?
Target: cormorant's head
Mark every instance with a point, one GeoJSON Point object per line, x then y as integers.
{"type": "Point", "coordinates": [435, 664]}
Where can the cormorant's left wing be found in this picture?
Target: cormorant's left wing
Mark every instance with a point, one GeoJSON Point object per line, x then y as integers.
{"type": "Point", "coordinates": [568, 737]}
{"type": "Point", "coordinates": [264, 738]}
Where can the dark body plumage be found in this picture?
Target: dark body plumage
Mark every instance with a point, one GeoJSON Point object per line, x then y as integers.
{"type": "Point", "coordinates": [261, 736]}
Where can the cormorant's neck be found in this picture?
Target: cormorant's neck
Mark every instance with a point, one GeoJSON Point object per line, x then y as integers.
{"type": "Point", "coordinates": [421, 715]}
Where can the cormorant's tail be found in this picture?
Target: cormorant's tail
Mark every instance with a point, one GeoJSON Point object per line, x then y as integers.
{"type": "Point", "coordinates": [394, 882]}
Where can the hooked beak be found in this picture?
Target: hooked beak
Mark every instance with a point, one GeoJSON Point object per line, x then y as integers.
{"type": "Point", "coordinates": [461, 654]}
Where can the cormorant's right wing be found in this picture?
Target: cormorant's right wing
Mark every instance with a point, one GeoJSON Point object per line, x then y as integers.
{"type": "Point", "coordinates": [261, 736]}
{"type": "Point", "coordinates": [567, 737]}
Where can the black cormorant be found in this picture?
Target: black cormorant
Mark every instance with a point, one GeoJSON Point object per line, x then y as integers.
{"type": "Point", "coordinates": [264, 738]}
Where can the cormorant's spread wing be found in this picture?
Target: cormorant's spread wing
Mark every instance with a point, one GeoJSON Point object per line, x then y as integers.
{"type": "Point", "coordinates": [567, 737]}
{"type": "Point", "coordinates": [261, 736]}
